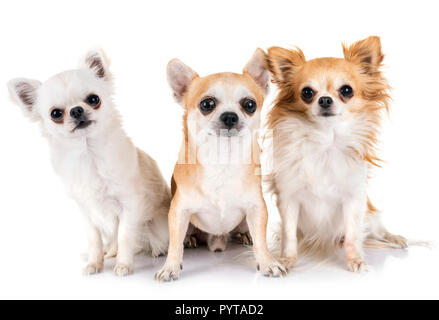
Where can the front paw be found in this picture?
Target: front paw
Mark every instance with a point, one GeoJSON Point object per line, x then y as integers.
{"type": "Point", "coordinates": [357, 265]}
{"type": "Point", "coordinates": [93, 268]}
{"type": "Point", "coordinates": [169, 273]}
{"type": "Point", "coordinates": [123, 270]}
{"type": "Point", "coordinates": [288, 262]}
{"type": "Point", "coordinates": [272, 269]}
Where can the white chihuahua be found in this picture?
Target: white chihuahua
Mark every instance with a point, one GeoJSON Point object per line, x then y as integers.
{"type": "Point", "coordinates": [119, 188]}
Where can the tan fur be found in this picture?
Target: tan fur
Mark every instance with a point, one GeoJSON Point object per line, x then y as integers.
{"type": "Point", "coordinates": [372, 86]}
{"type": "Point", "coordinates": [360, 69]}
{"type": "Point", "coordinates": [197, 198]}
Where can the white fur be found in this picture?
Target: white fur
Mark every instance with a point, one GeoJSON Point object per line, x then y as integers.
{"type": "Point", "coordinates": [321, 158]}
{"type": "Point", "coordinates": [314, 171]}
{"type": "Point", "coordinates": [323, 153]}
{"type": "Point", "coordinates": [225, 203]}
{"type": "Point", "coordinates": [120, 189]}
{"type": "Point", "coordinates": [322, 187]}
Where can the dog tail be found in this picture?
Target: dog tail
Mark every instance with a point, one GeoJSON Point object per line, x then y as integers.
{"type": "Point", "coordinates": [372, 243]}
{"type": "Point", "coordinates": [377, 236]}
{"type": "Point", "coordinates": [324, 249]}
{"type": "Point", "coordinates": [308, 246]}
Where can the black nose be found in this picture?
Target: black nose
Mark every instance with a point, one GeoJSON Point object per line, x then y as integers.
{"type": "Point", "coordinates": [325, 102]}
{"type": "Point", "coordinates": [77, 112]}
{"type": "Point", "coordinates": [230, 119]}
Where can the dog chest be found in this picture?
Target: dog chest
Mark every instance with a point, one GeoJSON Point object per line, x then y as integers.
{"type": "Point", "coordinates": [223, 202]}
{"type": "Point", "coordinates": [321, 165]}
{"type": "Point", "coordinates": [320, 172]}
{"type": "Point", "coordinates": [87, 183]}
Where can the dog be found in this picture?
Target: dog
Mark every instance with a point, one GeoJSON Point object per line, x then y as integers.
{"type": "Point", "coordinates": [325, 123]}
{"type": "Point", "coordinates": [216, 186]}
{"type": "Point", "coordinates": [119, 188]}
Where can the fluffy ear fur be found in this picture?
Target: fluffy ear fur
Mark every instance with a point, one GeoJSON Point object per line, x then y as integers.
{"type": "Point", "coordinates": [179, 77]}
{"type": "Point", "coordinates": [282, 63]}
{"type": "Point", "coordinates": [257, 69]}
{"type": "Point", "coordinates": [97, 61]}
{"type": "Point", "coordinates": [366, 53]}
{"type": "Point", "coordinates": [24, 93]}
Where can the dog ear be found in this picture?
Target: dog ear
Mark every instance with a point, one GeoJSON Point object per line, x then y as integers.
{"type": "Point", "coordinates": [180, 76]}
{"type": "Point", "coordinates": [283, 63]}
{"type": "Point", "coordinates": [366, 53]}
{"type": "Point", "coordinates": [257, 69]}
{"type": "Point", "coordinates": [24, 93]}
{"type": "Point", "coordinates": [97, 61]}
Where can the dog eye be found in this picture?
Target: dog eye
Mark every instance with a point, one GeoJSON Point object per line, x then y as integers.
{"type": "Point", "coordinates": [249, 105]}
{"type": "Point", "coordinates": [347, 91]}
{"type": "Point", "coordinates": [93, 100]}
{"type": "Point", "coordinates": [307, 94]}
{"type": "Point", "coordinates": [57, 114]}
{"type": "Point", "coordinates": [207, 105]}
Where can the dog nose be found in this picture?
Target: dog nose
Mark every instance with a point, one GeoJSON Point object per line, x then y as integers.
{"type": "Point", "coordinates": [325, 102]}
{"type": "Point", "coordinates": [230, 119]}
{"type": "Point", "coordinates": [77, 112]}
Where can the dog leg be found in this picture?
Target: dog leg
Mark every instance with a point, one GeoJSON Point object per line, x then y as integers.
{"type": "Point", "coordinates": [257, 223]}
{"type": "Point", "coordinates": [290, 216]}
{"type": "Point", "coordinates": [354, 212]}
{"type": "Point", "coordinates": [178, 226]}
{"type": "Point", "coordinates": [95, 250]}
{"type": "Point", "coordinates": [126, 240]}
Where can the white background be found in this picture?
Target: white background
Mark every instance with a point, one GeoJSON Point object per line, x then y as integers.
{"type": "Point", "coordinates": [41, 232]}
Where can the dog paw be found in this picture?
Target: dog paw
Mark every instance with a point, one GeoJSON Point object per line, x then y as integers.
{"type": "Point", "coordinates": [244, 238]}
{"type": "Point", "coordinates": [123, 270]}
{"type": "Point", "coordinates": [169, 273]}
{"type": "Point", "coordinates": [190, 242]}
{"type": "Point", "coordinates": [273, 270]}
{"type": "Point", "coordinates": [398, 241]}
{"type": "Point", "coordinates": [156, 253]}
{"type": "Point", "coordinates": [110, 250]}
{"type": "Point", "coordinates": [111, 253]}
{"type": "Point", "coordinates": [288, 262]}
{"type": "Point", "coordinates": [357, 265]}
{"type": "Point", "coordinates": [93, 268]}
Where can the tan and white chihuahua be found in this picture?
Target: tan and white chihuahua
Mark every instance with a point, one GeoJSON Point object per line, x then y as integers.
{"type": "Point", "coordinates": [216, 184]}
{"type": "Point", "coordinates": [325, 122]}
{"type": "Point", "coordinates": [119, 188]}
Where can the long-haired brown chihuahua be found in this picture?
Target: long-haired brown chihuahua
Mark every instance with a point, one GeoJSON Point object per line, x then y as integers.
{"type": "Point", "coordinates": [325, 123]}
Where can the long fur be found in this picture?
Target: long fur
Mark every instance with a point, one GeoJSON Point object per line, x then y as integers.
{"type": "Point", "coordinates": [321, 165]}
{"type": "Point", "coordinates": [119, 188]}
